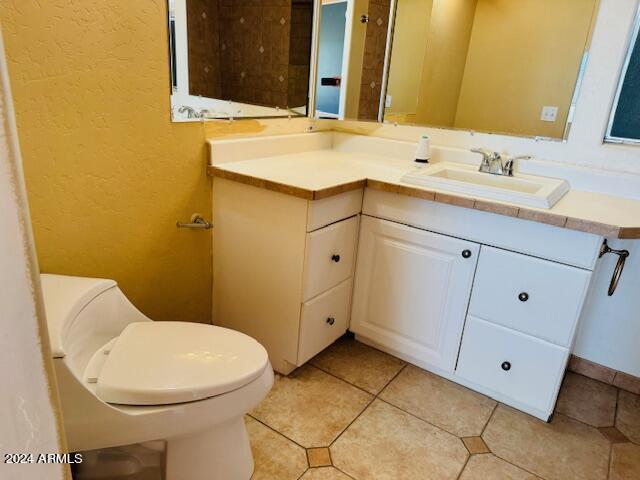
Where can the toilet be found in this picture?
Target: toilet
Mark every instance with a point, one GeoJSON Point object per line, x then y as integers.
{"type": "Point", "coordinates": [125, 379]}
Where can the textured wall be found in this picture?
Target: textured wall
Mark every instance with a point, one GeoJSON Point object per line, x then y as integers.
{"type": "Point", "coordinates": [107, 173]}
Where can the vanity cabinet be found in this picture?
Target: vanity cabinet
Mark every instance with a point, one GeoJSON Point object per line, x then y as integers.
{"type": "Point", "coordinates": [412, 290]}
{"type": "Point", "coordinates": [484, 300]}
{"type": "Point", "coordinates": [283, 268]}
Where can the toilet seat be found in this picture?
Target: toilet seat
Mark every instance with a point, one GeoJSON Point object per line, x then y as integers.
{"type": "Point", "coordinates": [161, 363]}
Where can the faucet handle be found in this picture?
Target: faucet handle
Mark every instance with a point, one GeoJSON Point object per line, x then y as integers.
{"type": "Point", "coordinates": [509, 164]}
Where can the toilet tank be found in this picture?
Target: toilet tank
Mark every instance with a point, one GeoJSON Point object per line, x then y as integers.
{"type": "Point", "coordinates": [82, 315]}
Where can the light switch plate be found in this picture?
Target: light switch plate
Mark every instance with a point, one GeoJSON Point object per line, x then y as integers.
{"type": "Point", "coordinates": [387, 101]}
{"type": "Point", "coordinates": [549, 114]}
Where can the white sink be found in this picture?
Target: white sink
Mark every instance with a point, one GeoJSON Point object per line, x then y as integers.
{"type": "Point", "coordinates": [533, 191]}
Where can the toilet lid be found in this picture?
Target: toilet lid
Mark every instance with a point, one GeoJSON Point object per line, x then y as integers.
{"type": "Point", "coordinates": [159, 363]}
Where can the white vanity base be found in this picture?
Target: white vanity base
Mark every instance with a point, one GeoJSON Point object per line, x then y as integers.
{"type": "Point", "coordinates": [538, 413]}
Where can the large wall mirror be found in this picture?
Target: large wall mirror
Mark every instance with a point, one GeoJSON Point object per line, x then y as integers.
{"type": "Point", "coordinates": [504, 66]}
{"type": "Point", "coordinates": [239, 58]}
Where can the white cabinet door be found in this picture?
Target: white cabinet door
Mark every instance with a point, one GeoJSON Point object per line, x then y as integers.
{"type": "Point", "coordinates": [412, 290]}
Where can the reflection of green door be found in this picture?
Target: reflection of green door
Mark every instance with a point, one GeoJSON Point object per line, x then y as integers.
{"type": "Point", "coordinates": [332, 29]}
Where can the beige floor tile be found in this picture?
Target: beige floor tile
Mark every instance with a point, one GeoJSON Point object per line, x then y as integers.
{"type": "Point", "coordinates": [386, 443]}
{"type": "Point", "coordinates": [359, 364]}
{"type": "Point", "coordinates": [587, 400]}
{"type": "Point", "coordinates": [564, 449]}
{"type": "Point", "coordinates": [490, 467]}
{"type": "Point", "coordinates": [475, 445]}
{"type": "Point", "coordinates": [613, 434]}
{"type": "Point", "coordinates": [311, 407]}
{"type": "Point", "coordinates": [274, 455]}
{"type": "Point", "coordinates": [440, 402]}
{"type": "Point", "coordinates": [628, 417]}
{"type": "Point", "coordinates": [625, 462]}
{"type": "Point", "coordinates": [324, 473]}
{"type": "Point", "coordinates": [318, 457]}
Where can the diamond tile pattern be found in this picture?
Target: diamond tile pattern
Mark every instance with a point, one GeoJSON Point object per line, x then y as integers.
{"type": "Point", "coordinates": [360, 419]}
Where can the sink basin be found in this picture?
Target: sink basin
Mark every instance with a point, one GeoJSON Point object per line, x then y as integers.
{"type": "Point", "coordinates": [533, 191]}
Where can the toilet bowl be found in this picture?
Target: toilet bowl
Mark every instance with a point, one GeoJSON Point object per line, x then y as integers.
{"type": "Point", "coordinates": [126, 379]}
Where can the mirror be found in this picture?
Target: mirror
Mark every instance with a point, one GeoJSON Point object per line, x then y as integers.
{"type": "Point", "coordinates": [239, 58]}
{"type": "Point", "coordinates": [500, 66]}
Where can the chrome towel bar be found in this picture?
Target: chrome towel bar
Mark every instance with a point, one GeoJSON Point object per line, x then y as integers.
{"type": "Point", "coordinates": [197, 222]}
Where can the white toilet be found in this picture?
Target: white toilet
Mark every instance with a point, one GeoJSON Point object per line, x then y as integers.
{"type": "Point", "coordinates": [125, 379]}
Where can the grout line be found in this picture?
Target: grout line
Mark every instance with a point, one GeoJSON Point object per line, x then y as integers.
{"type": "Point", "coordinates": [422, 419]}
{"type": "Point", "coordinates": [610, 461]}
{"type": "Point", "coordinates": [351, 423]}
{"type": "Point", "coordinates": [302, 474]}
{"type": "Point", "coordinates": [495, 407]}
{"type": "Point", "coordinates": [344, 380]}
{"type": "Point", "coordinates": [345, 473]}
{"type": "Point", "coordinates": [615, 413]}
{"type": "Point", "coordinates": [537, 475]}
{"type": "Point", "coordinates": [466, 462]}
{"type": "Point", "coordinates": [279, 433]}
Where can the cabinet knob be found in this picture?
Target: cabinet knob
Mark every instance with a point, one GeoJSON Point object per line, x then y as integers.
{"type": "Point", "coordinates": [331, 320]}
{"type": "Point", "coordinates": [335, 257]}
{"type": "Point", "coordinates": [506, 366]}
{"type": "Point", "coordinates": [466, 253]}
{"type": "Point", "coordinates": [523, 297]}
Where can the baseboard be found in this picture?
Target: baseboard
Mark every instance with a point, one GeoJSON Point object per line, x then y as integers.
{"type": "Point", "coordinates": [622, 380]}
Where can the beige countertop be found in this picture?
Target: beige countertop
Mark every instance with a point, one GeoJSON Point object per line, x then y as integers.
{"type": "Point", "coordinates": [318, 174]}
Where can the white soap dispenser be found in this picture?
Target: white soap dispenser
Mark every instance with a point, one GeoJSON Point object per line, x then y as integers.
{"type": "Point", "coordinates": [423, 152]}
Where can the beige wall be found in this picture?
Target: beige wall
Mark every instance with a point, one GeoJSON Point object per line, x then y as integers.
{"type": "Point", "coordinates": [523, 55]}
{"type": "Point", "coordinates": [445, 57]}
{"type": "Point", "coordinates": [107, 173]}
{"type": "Point", "coordinates": [411, 25]}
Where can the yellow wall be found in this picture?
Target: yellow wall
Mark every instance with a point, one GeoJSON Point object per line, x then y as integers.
{"type": "Point", "coordinates": [107, 173]}
{"type": "Point", "coordinates": [407, 54]}
{"type": "Point", "coordinates": [445, 57]}
{"type": "Point", "coordinates": [523, 55]}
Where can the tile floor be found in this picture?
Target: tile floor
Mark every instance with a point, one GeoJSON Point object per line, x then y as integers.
{"type": "Point", "coordinates": [356, 413]}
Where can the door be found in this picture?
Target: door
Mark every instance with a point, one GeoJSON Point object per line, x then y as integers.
{"type": "Point", "coordinates": [411, 291]}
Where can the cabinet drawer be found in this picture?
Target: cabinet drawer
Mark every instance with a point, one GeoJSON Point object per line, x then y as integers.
{"type": "Point", "coordinates": [333, 209]}
{"type": "Point", "coordinates": [531, 295]}
{"type": "Point", "coordinates": [523, 368]}
{"type": "Point", "coordinates": [323, 320]}
{"type": "Point", "coordinates": [329, 256]}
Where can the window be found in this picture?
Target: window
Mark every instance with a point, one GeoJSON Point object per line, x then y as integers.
{"type": "Point", "coordinates": [624, 124]}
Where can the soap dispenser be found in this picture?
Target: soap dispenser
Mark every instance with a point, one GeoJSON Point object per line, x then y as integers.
{"type": "Point", "coordinates": [423, 152]}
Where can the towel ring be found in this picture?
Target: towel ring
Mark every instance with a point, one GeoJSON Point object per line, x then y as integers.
{"type": "Point", "coordinates": [617, 271]}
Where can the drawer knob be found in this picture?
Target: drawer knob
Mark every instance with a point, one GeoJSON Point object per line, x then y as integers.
{"type": "Point", "coordinates": [466, 253]}
{"type": "Point", "coordinates": [506, 366]}
{"type": "Point", "coordinates": [335, 257]}
{"type": "Point", "coordinates": [523, 297]}
{"type": "Point", "coordinates": [331, 320]}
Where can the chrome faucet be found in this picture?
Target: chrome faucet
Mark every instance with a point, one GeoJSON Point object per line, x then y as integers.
{"type": "Point", "coordinates": [190, 111]}
{"type": "Point", "coordinates": [492, 162]}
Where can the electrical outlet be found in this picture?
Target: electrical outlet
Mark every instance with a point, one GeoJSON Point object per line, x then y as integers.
{"type": "Point", "coordinates": [549, 114]}
{"type": "Point", "coordinates": [387, 101]}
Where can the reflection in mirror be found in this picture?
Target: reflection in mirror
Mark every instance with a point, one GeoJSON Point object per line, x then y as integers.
{"type": "Point", "coordinates": [235, 58]}
{"type": "Point", "coordinates": [501, 66]}
{"type": "Point", "coordinates": [352, 44]}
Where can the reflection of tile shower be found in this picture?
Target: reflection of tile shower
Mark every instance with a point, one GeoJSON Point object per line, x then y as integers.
{"type": "Point", "coordinates": [253, 52]}
{"type": "Point", "coordinates": [373, 61]}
